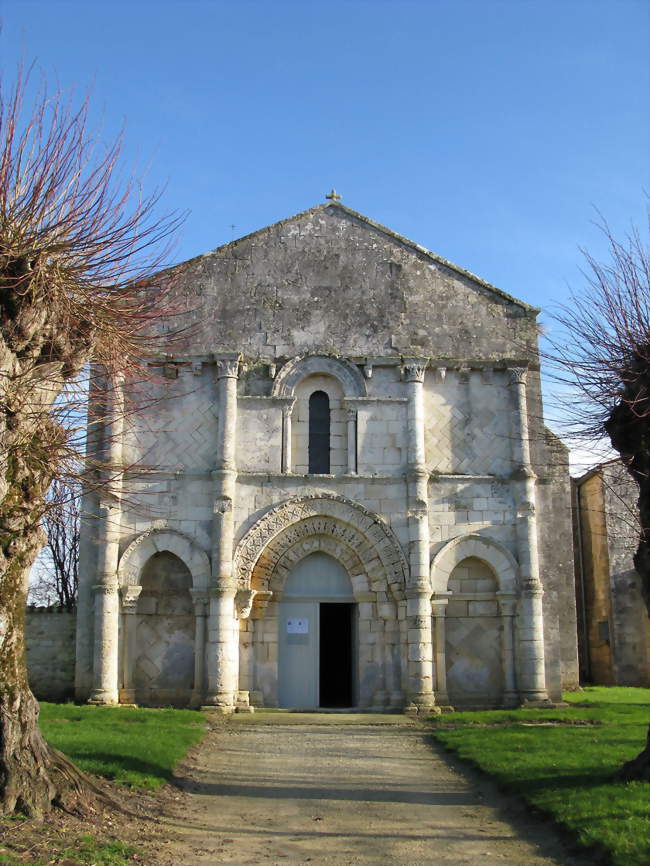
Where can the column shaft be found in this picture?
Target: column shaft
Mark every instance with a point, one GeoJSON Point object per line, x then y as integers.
{"type": "Point", "coordinates": [439, 610]}
{"type": "Point", "coordinates": [198, 693]}
{"type": "Point", "coordinates": [352, 441]}
{"type": "Point", "coordinates": [286, 438]}
{"type": "Point", "coordinates": [532, 675]}
{"type": "Point", "coordinates": [510, 696]}
{"type": "Point", "coordinates": [419, 637]}
{"type": "Point", "coordinates": [107, 604]}
{"type": "Point", "coordinates": [223, 636]}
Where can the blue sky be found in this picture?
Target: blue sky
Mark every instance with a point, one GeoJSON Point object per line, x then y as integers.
{"type": "Point", "coordinates": [485, 130]}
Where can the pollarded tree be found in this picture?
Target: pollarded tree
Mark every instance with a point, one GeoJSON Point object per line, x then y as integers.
{"type": "Point", "coordinates": [77, 253]}
{"type": "Point", "coordinates": [606, 360]}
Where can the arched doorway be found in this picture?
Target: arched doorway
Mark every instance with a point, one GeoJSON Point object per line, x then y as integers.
{"type": "Point", "coordinates": [317, 637]}
{"type": "Point", "coordinates": [164, 662]}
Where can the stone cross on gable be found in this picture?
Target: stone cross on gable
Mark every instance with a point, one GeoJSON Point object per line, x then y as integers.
{"type": "Point", "coordinates": [333, 196]}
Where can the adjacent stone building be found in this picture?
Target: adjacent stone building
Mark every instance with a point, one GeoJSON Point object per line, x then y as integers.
{"type": "Point", "coordinates": [613, 624]}
{"type": "Point", "coordinates": [343, 494]}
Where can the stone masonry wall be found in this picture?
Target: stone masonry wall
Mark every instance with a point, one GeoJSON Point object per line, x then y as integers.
{"type": "Point", "coordinates": [50, 640]}
{"type": "Point", "coordinates": [630, 627]}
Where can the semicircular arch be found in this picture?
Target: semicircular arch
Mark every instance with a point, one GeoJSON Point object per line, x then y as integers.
{"type": "Point", "coordinates": [359, 539]}
{"type": "Point", "coordinates": [155, 541]}
{"type": "Point", "coordinates": [488, 550]}
{"type": "Point", "coordinates": [294, 371]}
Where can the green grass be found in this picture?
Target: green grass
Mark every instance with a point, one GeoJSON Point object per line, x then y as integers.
{"type": "Point", "coordinates": [137, 747]}
{"type": "Point", "coordinates": [565, 768]}
{"type": "Point", "coordinates": [84, 850]}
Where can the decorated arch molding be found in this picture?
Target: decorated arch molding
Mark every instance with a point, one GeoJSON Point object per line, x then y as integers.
{"type": "Point", "coordinates": [359, 539]}
{"type": "Point", "coordinates": [154, 541]}
{"type": "Point", "coordinates": [482, 547]}
{"type": "Point", "coordinates": [294, 371]}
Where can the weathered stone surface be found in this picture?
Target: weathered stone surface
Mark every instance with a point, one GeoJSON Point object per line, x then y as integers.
{"type": "Point", "coordinates": [438, 464]}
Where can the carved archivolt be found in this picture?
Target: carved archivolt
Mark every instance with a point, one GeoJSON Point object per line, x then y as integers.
{"type": "Point", "coordinates": [294, 371]}
{"type": "Point", "coordinates": [495, 555]}
{"type": "Point", "coordinates": [364, 544]}
{"type": "Point", "coordinates": [154, 541]}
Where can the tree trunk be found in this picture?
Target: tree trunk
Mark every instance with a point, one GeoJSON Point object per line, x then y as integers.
{"type": "Point", "coordinates": [33, 775]}
{"type": "Point", "coordinates": [628, 428]}
{"type": "Point", "coordinates": [638, 769]}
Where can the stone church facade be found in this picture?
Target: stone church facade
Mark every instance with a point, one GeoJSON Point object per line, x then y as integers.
{"type": "Point", "coordinates": [343, 495]}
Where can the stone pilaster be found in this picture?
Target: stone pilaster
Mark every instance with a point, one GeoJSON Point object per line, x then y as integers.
{"type": "Point", "coordinates": [532, 677]}
{"type": "Point", "coordinates": [223, 637]}
{"type": "Point", "coordinates": [418, 595]}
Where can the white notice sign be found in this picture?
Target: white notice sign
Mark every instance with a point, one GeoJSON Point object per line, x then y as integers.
{"type": "Point", "coordinates": [297, 625]}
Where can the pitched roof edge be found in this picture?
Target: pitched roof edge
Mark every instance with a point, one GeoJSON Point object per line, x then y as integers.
{"type": "Point", "coordinates": [385, 230]}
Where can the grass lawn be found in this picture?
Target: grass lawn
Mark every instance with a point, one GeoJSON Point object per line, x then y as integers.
{"type": "Point", "coordinates": [135, 747]}
{"type": "Point", "coordinates": [562, 761]}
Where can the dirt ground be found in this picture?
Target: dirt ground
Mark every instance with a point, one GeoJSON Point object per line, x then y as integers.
{"type": "Point", "coordinates": [329, 790]}
{"type": "Point", "coordinates": [278, 789]}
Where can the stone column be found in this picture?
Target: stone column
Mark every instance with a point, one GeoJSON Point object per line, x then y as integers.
{"type": "Point", "coordinates": [287, 409]}
{"type": "Point", "coordinates": [130, 595]}
{"type": "Point", "coordinates": [223, 641]}
{"type": "Point", "coordinates": [507, 606]}
{"type": "Point", "coordinates": [439, 608]}
{"type": "Point", "coordinates": [200, 599]}
{"type": "Point", "coordinates": [352, 441]}
{"type": "Point", "coordinates": [380, 698]}
{"type": "Point", "coordinates": [223, 638]}
{"type": "Point", "coordinates": [244, 604]}
{"type": "Point", "coordinates": [256, 622]}
{"type": "Point", "coordinates": [106, 598]}
{"type": "Point", "coordinates": [387, 611]}
{"type": "Point", "coordinates": [532, 676]}
{"type": "Point", "coordinates": [418, 595]}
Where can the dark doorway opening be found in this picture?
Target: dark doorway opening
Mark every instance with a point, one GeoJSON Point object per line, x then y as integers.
{"type": "Point", "coordinates": [336, 655]}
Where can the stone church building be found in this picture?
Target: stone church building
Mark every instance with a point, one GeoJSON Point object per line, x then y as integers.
{"type": "Point", "coordinates": [343, 496]}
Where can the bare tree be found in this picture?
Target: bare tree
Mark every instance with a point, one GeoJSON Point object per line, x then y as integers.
{"type": "Point", "coordinates": [78, 248]}
{"type": "Point", "coordinates": [605, 359]}
{"type": "Point", "coordinates": [56, 578]}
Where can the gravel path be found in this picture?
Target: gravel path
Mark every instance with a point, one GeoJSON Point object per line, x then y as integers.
{"type": "Point", "coordinates": [340, 793]}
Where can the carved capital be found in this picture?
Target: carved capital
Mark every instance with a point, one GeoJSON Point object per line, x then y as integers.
{"type": "Point", "coordinates": [200, 598]}
{"type": "Point", "coordinates": [532, 588]}
{"type": "Point", "coordinates": [261, 600]}
{"type": "Point", "coordinates": [440, 374]}
{"type": "Point", "coordinates": [414, 370]}
{"type": "Point", "coordinates": [106, 588]}
{"type": "Point", "coordinates": [227, 368]}
{"type": "Point", "coordinates": [244, 602]}
{"type": "Point", "coordinates": [351, 414]}
{"type": "Point", "coordinates": [222, 505]}
{"type": "Point", "coordinates": [130, 595]}
{"type": "Point", "coordinates": [517, 375]}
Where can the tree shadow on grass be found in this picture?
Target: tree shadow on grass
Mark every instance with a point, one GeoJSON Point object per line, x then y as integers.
{"type": "Point", "coordinates": [126, 763]}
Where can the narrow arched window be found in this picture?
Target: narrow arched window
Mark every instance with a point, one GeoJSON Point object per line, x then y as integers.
{"type": "Point", "coordinates": [319, 433]}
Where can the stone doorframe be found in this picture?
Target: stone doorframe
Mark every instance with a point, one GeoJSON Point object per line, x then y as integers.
{"type": "Point", "coordinates": [506, 571]}
{"type": "Point", "coordinates": [366, 547]}
{"type": "Point", "coordinates": [129, 573]}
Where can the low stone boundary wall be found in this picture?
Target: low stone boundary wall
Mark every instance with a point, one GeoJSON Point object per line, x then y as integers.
{"type": "Point", "coordinates": [50, 641]}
